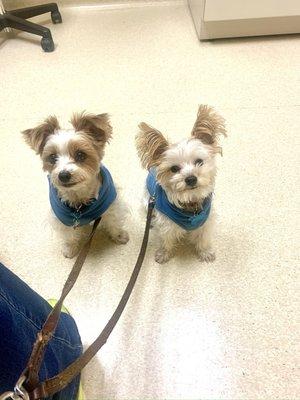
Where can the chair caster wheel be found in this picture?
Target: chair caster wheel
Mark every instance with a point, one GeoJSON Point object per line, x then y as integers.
{"type": "Point", "coordinates": [56, 17]}
{"type": "Point", "coordinates": [47, 45]}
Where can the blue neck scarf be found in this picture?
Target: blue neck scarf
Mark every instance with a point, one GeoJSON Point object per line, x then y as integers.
{"type": "Point", "coordinates": [86, 213]}
{"type": "Point", "coordinates": [185, 219]}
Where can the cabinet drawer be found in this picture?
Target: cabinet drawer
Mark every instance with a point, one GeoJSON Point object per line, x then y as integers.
{"type": "Point", "coordinates": [233, 18]}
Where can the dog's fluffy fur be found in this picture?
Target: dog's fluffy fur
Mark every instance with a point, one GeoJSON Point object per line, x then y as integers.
{"type": "Point", "coordinates": [79, 151]}
{"type": "Point", "coordinates": [194, 157]}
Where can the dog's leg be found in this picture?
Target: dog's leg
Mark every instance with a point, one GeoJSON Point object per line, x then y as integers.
{"type": "Point", "coordinates": [202, 240]}
{"type": "Point", "coordinates": [113, 222]}
{"type": "Point", "coordinates": [170, 234]}
{"type": "Point", "coordinates": [73, 240]}
{"type": "Point", "coordinates": [165, 252]}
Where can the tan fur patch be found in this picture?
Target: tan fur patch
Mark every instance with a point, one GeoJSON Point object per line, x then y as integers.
{"type": "Point", "coordinates": [208, 126]}
{"type": "Point", "coordinates": [150, 144]}
{"type": "Point", "coordinates": [97, 127]}
{"type": "Point", "coordinates": [47, 166]}
{"type": "Point", "coordinates": [36, 137]}
{"type": "Point", "coordinates": [91, 162]}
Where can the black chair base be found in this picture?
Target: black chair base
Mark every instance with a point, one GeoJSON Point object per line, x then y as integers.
{"type": "Point", "coordinates": [17, 19]}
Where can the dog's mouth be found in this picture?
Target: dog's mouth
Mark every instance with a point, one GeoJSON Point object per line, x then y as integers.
{"type": "Point", "coordinates": [189, 188]}
{"type": "Point", "coordinates": [68, 185]}
{"type": "Point", "coordinates": [192, 187]}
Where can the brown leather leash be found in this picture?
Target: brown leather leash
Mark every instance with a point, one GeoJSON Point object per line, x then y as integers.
{"type": "Point", "coordinates": [28, 386]}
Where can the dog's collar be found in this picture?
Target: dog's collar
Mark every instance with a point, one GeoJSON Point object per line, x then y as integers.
{"type": "Point", "coordinates": [84, 214]}
{"type": "Point", "coordinates": [191, 216]}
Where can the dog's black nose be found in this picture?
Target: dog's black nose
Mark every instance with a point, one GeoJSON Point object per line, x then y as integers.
{"type": "Point", "coordinates": [191, 180]}
{"type": "Point", "coordinates": [64, 176]}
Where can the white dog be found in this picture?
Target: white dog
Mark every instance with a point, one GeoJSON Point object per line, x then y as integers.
{"type": "Point", "coordinates": [182, 179]}
{"type": "Point", "coordinates": [81, 189]}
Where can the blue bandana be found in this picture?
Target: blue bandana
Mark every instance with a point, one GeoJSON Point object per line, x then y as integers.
{"type": "Point", "coordinates": [86, 213]}
{"type": "Point", "coordinates": [185, 219]}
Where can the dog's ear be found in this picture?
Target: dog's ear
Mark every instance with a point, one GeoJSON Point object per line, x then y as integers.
{"type": "Point", "coordinates": [150, 144]}
{"type": "Point", "coordinates": [96, 126]}
{"type": "Point", "coordinates": [36, 137]}
{"type": "Point", "coordinates": [208, 126]}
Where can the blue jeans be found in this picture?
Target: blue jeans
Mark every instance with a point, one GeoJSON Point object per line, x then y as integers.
{"type": "Point", "coordinates": [22, 314]}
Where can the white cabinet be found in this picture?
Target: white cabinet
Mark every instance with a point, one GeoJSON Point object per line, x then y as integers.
{"type": "Point", "coordinates": [233, 18]}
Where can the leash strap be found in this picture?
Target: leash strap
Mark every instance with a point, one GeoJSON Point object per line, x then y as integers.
{"type": "Point", "coordinates": [33, 387]}
{"type": "Point", "coordinates": [44, 336]}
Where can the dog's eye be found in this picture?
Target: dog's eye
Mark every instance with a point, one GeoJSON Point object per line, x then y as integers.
{"type": "Point", "coordinates": [52, 159]}
{"type": "Point", "coordinates": [175, 168]}
{"type": "Point", "coordinates": [80, 156]}
{"type": "Point", "coordinates": [199, 161]}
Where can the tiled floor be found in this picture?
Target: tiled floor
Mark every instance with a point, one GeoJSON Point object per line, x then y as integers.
{"type": "Point", "coordinates": [221, 331]}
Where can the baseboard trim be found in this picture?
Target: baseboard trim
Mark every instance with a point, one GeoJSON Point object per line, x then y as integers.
{"type": "Point", "coordinates": [110, 4]}
{"type": "Point", "coordinates": [250, 27]}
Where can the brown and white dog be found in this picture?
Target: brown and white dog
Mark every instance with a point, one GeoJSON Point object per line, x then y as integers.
{"type": "Point", "coordinates": [185, 175]}
{"type": "Point", "coordinates": [72, 158]}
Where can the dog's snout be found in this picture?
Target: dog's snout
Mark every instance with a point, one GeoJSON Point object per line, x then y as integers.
{"type": "Point", "coordinates": [64, 176]}
{"type": "Point", "coordinates": [191, 180]}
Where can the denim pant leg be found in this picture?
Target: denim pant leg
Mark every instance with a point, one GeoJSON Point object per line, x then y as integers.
{"type": "Point", "coordinates": [22, 314]}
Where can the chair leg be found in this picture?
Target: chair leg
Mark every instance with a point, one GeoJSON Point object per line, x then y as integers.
{"type": "Point", "coordinates": [18, 23]}
{"type": "Point", "coordinates": [30, 12]}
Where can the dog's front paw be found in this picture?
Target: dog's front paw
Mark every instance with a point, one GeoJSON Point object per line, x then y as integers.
{"type": "Point", "coordinates": [70, 250]}
{"type": "Point", "coordinates": [121, 238]}
{"type": "Point", "coordinates": [207, 256]}
{"type": "Point", "coordinates": [162, 256]}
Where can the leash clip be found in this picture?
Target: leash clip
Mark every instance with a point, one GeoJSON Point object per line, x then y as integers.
{"type": "Point", "coordinates": [19, 392]}
{"type": "Point", "coordinates": [152, 201]}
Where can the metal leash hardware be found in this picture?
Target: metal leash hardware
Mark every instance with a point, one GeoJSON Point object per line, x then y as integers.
{"type": "Point", "coordinates": [19, 392]}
